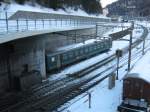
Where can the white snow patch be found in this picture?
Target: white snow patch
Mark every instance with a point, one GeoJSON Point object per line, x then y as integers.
{"type": "Point", "coordinates": [103, 99]}
{"type": "Point", "coordinates": [142, 68]}
{"type": "Point", "coordinates": [72, 46]}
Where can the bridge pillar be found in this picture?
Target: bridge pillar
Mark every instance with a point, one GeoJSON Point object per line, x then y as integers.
{"type": "Point", "coordinates": [43, 65]}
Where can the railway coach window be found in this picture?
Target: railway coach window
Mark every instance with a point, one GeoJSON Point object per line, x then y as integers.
{"type": "Point", "coordinates": [99, 46]}
{"type": "Point", "coordinates": [53, 59]}
{"type": "Point", "coordinates": [76, 53]}
{"type": "Point", "coordinates": [86, 50]}
{"type": "Point", "coordinates": [65, 57]}
{"type": "Point", "coordinates": [81, 51]}
{"type": "Point", "coordinates": [70, 54]}
{"type": "Point", "coordinates": [90, 49]}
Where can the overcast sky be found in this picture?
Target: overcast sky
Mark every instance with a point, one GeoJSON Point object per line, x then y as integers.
{"type": "Point", "coordinates": [106, 2]}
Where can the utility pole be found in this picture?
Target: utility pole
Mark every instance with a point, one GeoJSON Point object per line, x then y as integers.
{"type": "Point", "coordinates": [122, 26]}
{"type": "Point", "coordinates": [118, 54]}
{"type": "Point", "coordinates": [96, 32]}
{"type": "Point", "coordinates": [75, 37]}
{"type": "Point", "coordinates": [89, 94]}
{"type": "Point", "coordinates": [130, 48]}
{"type": "Point", "coordinates": [7, 27]}
{"type": "Point", "coordinates": [143, 52]}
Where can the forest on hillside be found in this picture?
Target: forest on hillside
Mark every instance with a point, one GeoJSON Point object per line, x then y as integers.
{"type": "Point", "coordinates": [89, 6]}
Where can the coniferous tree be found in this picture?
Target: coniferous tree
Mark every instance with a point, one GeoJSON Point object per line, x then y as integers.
{"type": "Point", "coordinates": [20, 1]}
{"type": "Point", "coordinates": [89, 6]}
{"type": "Point", "coordinates": [92, 6]}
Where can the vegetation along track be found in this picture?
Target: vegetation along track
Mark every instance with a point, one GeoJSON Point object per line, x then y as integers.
{"type": "Point", "coordinates": [50, 96]}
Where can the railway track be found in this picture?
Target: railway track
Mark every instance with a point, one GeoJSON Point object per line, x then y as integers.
{"type": "Point", "coordinates": [134, 56]}
{"type": "Point", "coordinates": [42, 97]}
{"type": "Point", "coordinates": [99, 79]}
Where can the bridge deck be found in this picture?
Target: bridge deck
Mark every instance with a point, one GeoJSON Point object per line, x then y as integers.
{"type": "Point", "coordinates": [18, 35]}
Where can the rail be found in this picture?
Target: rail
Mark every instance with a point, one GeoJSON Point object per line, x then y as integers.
{"type": "Point", "coordinates": [99, 79]}
{"type": "Point", "coordinates": [64, 88]}
{"type": "Point", "coordinates": [120, 34]}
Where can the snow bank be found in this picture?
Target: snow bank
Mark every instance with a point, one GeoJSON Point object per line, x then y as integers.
{"type": "Point", "coordinates": [142, 68]}
{"type": "Point", "coordinates": [72, 46]}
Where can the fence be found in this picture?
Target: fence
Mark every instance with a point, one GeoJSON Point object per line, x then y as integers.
{"type": "Point", "coordinates": [10, 23]}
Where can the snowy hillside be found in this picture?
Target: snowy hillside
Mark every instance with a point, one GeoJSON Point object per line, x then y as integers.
{"type": "Point", "coordinates": [13, 7]}
{"type": "Point", "coordinates": [89, 6]}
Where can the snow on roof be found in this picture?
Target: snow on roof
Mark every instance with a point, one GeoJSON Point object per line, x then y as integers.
{"type": "Point", "coordinates": [72, 46]}
{"type": "Point", "coordinates": [43, 15]}
{"type": "Point", "coordinates": [142, 69]}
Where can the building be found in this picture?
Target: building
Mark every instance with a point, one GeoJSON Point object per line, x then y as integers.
{"type": "Point", "coordinates": [129, 8]}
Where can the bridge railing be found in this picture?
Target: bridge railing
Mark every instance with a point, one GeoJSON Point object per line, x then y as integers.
{"type": "Point", "coordinates": [9, 24]}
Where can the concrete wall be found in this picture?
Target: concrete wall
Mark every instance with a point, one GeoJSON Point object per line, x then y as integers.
{"type": "Point", "coordinates": [21, 52]}
{"type": "Point", "coordinates": [14, 55]}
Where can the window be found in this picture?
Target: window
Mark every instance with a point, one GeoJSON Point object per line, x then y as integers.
{"type": "Point", "coordinates": [76, 53]}
{"type": "Point", "coordinates": [64, 57]}
{"type": "Point", "coordinates": [70, 54]}
{"type": "Point", "coordinates": [53, 59]}
{"type": "Point", "coordinates": [86, 50]}
{"type": "Point", "coordinates": [81, 51]}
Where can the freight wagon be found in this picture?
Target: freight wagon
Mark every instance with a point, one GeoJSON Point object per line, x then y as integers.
{"type": "Point", "coordinates": [136, 88]}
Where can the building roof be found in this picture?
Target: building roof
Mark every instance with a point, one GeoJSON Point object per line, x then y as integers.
{"type": "Point", "coordinates": [145, 78]}
{"type": "Point", "coordinates": [44, 15]}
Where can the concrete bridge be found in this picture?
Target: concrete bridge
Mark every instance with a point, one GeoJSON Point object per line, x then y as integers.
{"type": "Point", "coordinates": [26, 24]}
{"type": "Point", "coordinates": [25, 38]}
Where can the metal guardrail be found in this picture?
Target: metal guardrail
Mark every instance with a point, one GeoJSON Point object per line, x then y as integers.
{"type": "Point", "coordinates": [15, 22]}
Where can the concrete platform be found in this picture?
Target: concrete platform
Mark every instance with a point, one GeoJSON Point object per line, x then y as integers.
{"type": "Point", "coordinates": [26, 34]}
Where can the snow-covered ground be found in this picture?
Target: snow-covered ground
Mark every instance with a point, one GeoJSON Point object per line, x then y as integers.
{"type": "Point", "coordinates": [103, 99]}
{"type": "Point", "coordinates": [142, 68]}
{"type": "Point", "coordinates": [144, 23]}
{"type": "Point", "coordinates": [77, 67]}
